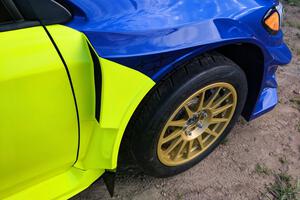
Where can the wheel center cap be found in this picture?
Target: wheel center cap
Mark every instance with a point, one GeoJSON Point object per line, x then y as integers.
{"type": "Point", "coordinates": [196, 125]}
{"type": "Point", "coordinates": [193, 120]}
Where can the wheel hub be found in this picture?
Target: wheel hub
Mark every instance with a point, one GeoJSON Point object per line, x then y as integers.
{"type": "Point", "coordinates": [196, 125]}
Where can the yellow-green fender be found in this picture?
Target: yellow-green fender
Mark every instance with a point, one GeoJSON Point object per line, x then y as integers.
{"type": "Point", "coordinates": [122, 91]}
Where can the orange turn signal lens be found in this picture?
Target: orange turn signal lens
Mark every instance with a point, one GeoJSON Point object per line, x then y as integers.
{"type": "Point", "coordinates": [273, 21]}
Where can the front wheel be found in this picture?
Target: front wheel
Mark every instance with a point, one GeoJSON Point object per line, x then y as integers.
{"type": "Point", "coordinates": [185, 117]}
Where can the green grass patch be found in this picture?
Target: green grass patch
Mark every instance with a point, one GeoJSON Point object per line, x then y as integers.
{"type": "Point", "coordinates": [293, 23]}
{"type": "Point", "coordinates": [292, 2]}
{"type": "Point", "coordinates": [296, 102]}
{"type": "Point", "coordinates": [224, 141]}
{"type": "Point", "coordinates": [283, 160]}
{"type": "Point", "coordinates": [283, 188]}
{"type": "Point", "coordinates": [262, 169]}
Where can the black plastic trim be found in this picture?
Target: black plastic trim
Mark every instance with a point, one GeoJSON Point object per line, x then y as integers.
{"type": "Point", "coordinates": [15, 19]}
{"type": "Point", "coordinates": [18, 25]}
{"type": "Point", "coordinates": [12, 10]}
{"type": "Point", "coordinates": [30, 13]}
{"type": "Point", "coordinates": [47, 11]}
{"type": "Point", "coordinates": [98, 83]}
{"type": "Point", "coordinates": [109, 179]}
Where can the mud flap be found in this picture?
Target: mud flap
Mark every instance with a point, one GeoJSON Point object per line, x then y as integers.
{"type": "Point", "coordinates": [109, 181]}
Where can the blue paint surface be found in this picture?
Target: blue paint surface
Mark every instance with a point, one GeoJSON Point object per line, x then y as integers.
{"type": "Point", "coordinates": [153, 36]}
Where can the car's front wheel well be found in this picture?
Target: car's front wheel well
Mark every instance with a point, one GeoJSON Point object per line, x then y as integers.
{"type": "Point", "coordinates": [251, 59]}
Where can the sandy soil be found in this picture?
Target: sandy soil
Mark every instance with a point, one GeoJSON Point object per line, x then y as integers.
{"type": "Point", "coordinates": [230, 172]}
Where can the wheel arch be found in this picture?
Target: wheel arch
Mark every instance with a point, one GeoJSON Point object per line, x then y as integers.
{"type": "Point", "coordinates": [241, 53]}
{"type": "Point", "coordinates": [246, 54]}
{"type": "Point", "coordinates": [251, 60]}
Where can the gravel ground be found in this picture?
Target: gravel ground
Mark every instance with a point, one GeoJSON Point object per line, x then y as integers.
{"type": "Point", "coordinates": [247, 162]}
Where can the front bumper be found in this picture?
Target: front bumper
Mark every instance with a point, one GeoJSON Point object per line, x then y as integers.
{"type": "Point", "coordinates": [268, 98]}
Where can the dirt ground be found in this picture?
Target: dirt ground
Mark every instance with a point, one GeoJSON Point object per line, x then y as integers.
{"type": "Point", "coordinates": [243, 166]}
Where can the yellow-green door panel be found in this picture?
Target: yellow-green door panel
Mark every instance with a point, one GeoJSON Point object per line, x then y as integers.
{"type": "Point", "coordinates": [38, 122]}
{"type": "Point", "coordinates": [75, 50]}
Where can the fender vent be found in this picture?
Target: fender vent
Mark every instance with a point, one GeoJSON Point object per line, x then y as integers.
{"type": "Point", "coordinates": [98, 82]}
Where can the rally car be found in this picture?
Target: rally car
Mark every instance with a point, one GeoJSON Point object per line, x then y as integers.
{"type": "Point", "coordinates": [171, 77]}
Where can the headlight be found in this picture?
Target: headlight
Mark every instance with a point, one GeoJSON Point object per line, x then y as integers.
{"type": "Point", "coordinates": [273, 19]}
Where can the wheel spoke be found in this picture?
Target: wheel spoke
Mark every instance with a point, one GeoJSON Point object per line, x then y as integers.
{"type": "Point", "coordinates": [200, 106]}
{"type": "Point", "coordinates": [173, 145]}
{"type": "Point", "coordinates": [172, 136]}
{"type": "Point", "coordinates": [206, 138]}
{"type": "Point", "coordinates": [218, 120]}
{"type": "Point", "coordinates": [200, 140]}
{"type": "Point", "coordinates": [190, 145]}
{"type": "Point", "coordinates": [177, 123]}
{"type": "Point", "coordinates": [188, 111]}
{"type": "Point", "coordinates": [210, 132]}
{"type": "Point", "coordinates": [180, 149]}
{"type": "Point", "coordinates": [216, 127]}
{"type": "Point", "coordinates": [212, 98]}
{"type": "Point", "coordinates": [221, 100]}
{"type": "Point", "coordinates": [221, 109]}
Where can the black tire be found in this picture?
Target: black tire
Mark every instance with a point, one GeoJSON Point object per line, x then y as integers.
{"type": "Point", "coordinates": [145, 127]}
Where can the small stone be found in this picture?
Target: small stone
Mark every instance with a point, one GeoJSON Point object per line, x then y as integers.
{"type": "Point", "coordinates": [296, 91]}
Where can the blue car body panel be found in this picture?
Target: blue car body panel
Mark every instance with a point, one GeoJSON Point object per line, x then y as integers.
{"type": "Point", "coordinates": [153, 36]}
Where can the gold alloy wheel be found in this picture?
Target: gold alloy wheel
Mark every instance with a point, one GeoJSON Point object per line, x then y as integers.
{"type": "Point", "coordinates": [196, 124]}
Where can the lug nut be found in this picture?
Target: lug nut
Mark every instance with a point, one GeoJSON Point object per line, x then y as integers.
{"type": "Point", "coordinates": [203, 114]}
{"type": "Point", "coordinates": [188, 133]}
{"type": "Point", "coordinates": [200, 125]}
